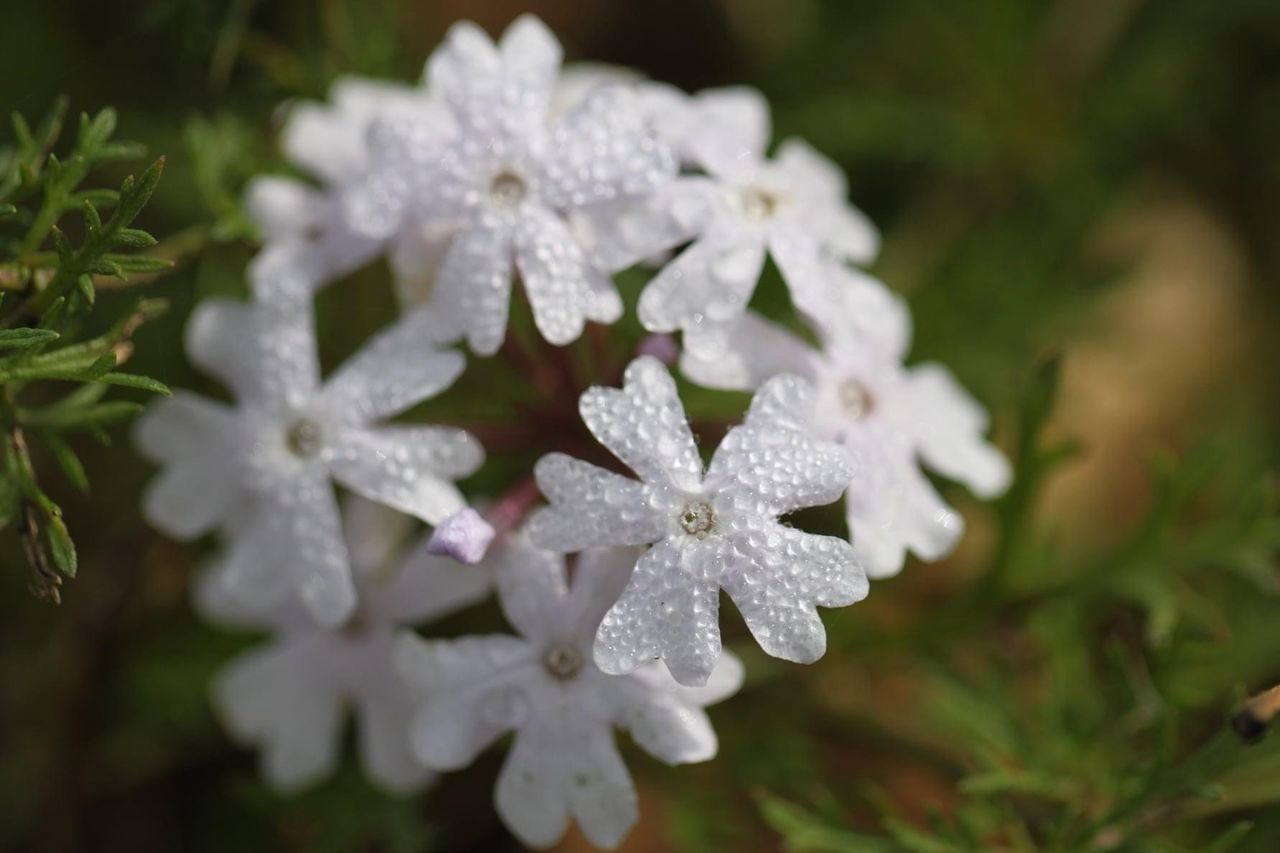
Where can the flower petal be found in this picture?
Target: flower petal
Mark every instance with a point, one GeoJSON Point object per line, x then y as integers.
{"type": "Point", "coordinates": [709, 282]}
{"type": "Point", "coordinates": [531, 587]}
{"type": "Point", "coordinates": [756, 350]}
{"type": "Point", "coordinates": [190, 498]}
{"type": "Point", "coordinates": [772, 464]}
{"type": "Point", "coordinates": [787, 572]}
{"type": "Point", "coordinates": [564, 290]}
{"type": "Point", "coordinates": [622, 233]}
{"type": "Point", "coordinates": [669, 610]}
{"type": "Point", "coordinates": [858, 312]}
{"type": "Point", "coordinates": [472, 691]}
{"type": "Point", "coordinates": [839, 226]}
{"type": "Point", "coordinates": [949, 429]}
{"type": "Point", "coordinates": [603, 150]}
{"type": "Point", "coordinates": [590, 507]}
{"type": "Point", "coordinates": [644, 425]}
{"type": "Point", "coordinates": [308, 527]}
{"type": "Point", "coordinates": [385, 707]}
{"type": "Point", "coordinates": [725, 128]}
{"type": "Point", "coordinates": [185, 428]}
{"type": "Point", "coordinates": [270, 698]}
{"type": "Point", "coordinates": [394, 371]}
{"type": "Point", "coordinates": [282, 207]}
{"type": "Point", "coordinates": [662, 722]}
{"type": "Point", "coordinates": [265, 352]}
{"type": "Point", "coordinates": [598, 580]}
{"type": "Point", "coordinates": [425, 587]}
{"type": "Point", "coordinates": [410, 468]}
{"type": "Point", "coordinates": [555, 770]}
{"type": "Point", "coordinates": [474, 288]}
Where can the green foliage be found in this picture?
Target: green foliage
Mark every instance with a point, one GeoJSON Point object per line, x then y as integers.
{"type": "Point", "coordinates": [49, 285]}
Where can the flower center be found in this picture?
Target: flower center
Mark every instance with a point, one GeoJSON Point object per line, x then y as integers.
{"type": "Point", "coordinates": [563, 662]}
{"type": "Point", "coordinates": [758, 204]}
{"type": "Point", "coordinates": [698, 519]}
{"type": "Point", "coordinates": [856, 399]}
{"type": "Point", "coordinates": [507, 189]}
{"type": "Point", "coordinates": [304, 439]}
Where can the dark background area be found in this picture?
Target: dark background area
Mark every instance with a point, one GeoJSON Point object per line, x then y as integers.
{"type": "Point", "coordinates": [1096, 179]}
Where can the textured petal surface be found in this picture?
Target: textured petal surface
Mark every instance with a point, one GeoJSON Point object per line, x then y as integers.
{"type": "Point", "coordinates": [644, 425]}
{"type": "Point", "coordinates": [397, 369]}
{"type": "Point", "coordinates": [604, 149]}
{"type": "Point", "coordinates": [782, 574]}
{"type": "Point", "coordinates": [772, 463]}
{"type": "Point", "coordinates": [474, 288]}
{"type": "Point", "coordinates": [669, 610]}
{"type": "Point", "coordinates": [621, 233]}
{"type": "Point", "coordinates": [590, 507]}
{"type": "Point", "coordinates": [949, 428]}
{"type": "Point", "coordinates": [709, 282]}
{"type": "Point", "coordinates": [410, 468]}
{"type": "Point", "coordinates": [564, 289]}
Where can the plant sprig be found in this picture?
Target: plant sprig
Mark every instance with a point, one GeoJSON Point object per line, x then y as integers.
{"type": "Point", "coordinates": [47, 289]}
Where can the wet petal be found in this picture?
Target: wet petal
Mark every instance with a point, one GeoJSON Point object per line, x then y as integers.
{"type": "Point", "coordinates": [644, 425]}
{"type": "Point", "coordinates": [410, 468]}
{"type": "Point", "coordinates": [590, 507]}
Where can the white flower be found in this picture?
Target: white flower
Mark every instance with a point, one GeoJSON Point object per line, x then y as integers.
{"type": "Point", "coordinates": [708, 532]}
{"type": "Point", "coordinates": [505, 180]}
{"type": "Point", "coordinates": [791, 207]}
{"type": "Point", "coordinates": [262, 469]}
{"type": "Point", "coordinates": [289, 697]}
{"type": "Point", "coordinates": [542, 685]}
{"type": "Point", "coordinates": [890, 417]}
{"type": "Point", "coordinates": [328, 142]}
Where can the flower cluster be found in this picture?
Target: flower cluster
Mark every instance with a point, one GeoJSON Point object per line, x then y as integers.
{"type": "Point", "coordinates": [502, 166]}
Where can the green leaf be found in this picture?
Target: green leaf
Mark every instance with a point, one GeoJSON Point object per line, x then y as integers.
{"type": "Point", "coordinates": [132, 380]}
{"type": "Point", "coordinates": [61, 548]}
{"type": "Point", "coordinates": [64, 417]}
{"type": "Point", "coordinates": [67, 460]}
{"type": "Point", "coordinates": [23, 338]}
{"type": "Point", "coordinates": [135, 238]}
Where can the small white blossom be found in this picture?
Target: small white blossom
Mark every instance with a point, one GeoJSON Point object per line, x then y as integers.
{"type": "Point", "coordinates": [891, 418]}
{"type": "Point", "coordinates": [504, 180]}
{"type": "Point", "coordinates": [328, 142]}
{"type": "Point", "coordinates": [542, 685]}
{"type": "Point", "coordinates": [289, 697]}
{"type": "Point", "coordinates": [708, 532]}
{"type": "Point", "coordinates": [742, 207]}
{"type": "Point", "coordinates": [262, 469]}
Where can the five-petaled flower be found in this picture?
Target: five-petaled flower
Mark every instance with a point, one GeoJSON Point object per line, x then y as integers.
{"type": "Point", "coordinates": [543, 686]}
{"type": "Point", "coordinates": [503, 180]}
{"type": "Point", "coordinates": [890, 417]}
{"type": "Point", "coordinates": [289, 697]}
{"type": "Point", "coordinates": [262, 470]}
{"type": "Point", "coordinates": [738, 208]}
{"type": "Point", "coordinates": [708, 532]}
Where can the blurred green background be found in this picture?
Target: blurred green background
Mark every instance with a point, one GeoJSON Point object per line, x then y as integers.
{"type": "Point", "coordinates": [1080, 200]}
